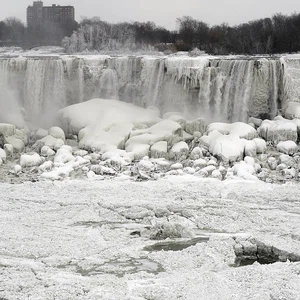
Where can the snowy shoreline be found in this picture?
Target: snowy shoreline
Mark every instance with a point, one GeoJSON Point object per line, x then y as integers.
{"type": "Point", "coordinates": [86, 240]}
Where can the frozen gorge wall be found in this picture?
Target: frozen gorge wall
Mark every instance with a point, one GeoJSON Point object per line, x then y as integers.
{"type": "Point", "coordinates": [217, 89]}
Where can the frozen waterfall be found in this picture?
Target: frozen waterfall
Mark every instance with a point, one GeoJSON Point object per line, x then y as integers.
{"type": "Point", "coordinates": [213, 88]}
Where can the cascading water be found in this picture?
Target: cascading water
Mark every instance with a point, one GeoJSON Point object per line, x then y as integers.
{"type": "Point", "coordinates": [213, 88]}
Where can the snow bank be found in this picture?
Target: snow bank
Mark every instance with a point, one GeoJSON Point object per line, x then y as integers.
{"type": "Point", "coordinates": [104, 113]}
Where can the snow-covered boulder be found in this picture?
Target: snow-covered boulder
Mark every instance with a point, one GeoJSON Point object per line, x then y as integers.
{"type": "Point", "coordinates": [51, 142]}
{"type": "Point", "coordinates": [196, 153]}
{"type": "Point", "coordinates": [207, 171]}
{"type": "Point", "coordinates": [159, 150]}
{"type": "Point", "coordinates": [104, 113]}
{"type": "Point", "coordinates": [179, 151]}
{"type": "Point", "coordinates": [293, 110]}
{"type": "Point", "coordinates": [40, 133]}
{"type": "Point", "coordinates": [46, 166]}
{"type": "Point", "coordinates": [261, 145]}
{"type": "Point", "coordinates": [139, 150]}
{"type": "Point", "coordinates": [47, 151]}
{"type": "Point", "coordinates": [17, 169]}
{"type": "Point", "coordinates": [272, 162]}
{"type": "Point", "coordinates": [3, 155]}
{"type": "Point", "coordinates": [7, 129]}
{"type": "Point", "coordinates": [198, 125]}
{"type": "Point", "coordinates": [250, 148]}
{"type": "Point", "coordinates": [287, 160]}
{"type": "Point", "coordinates": [96, 138]}
{"type": "Point", "coordinates": [244, 171]}
{"type": "Point", "coordinates": [64, 155]}
{"type": "Point", "coordinates": [240, 129]}
{"type": "Point", "coordinates": [229, 148]}
{"type": "Point", "coordinates": [255, 121]}
{"type": "Point", "coordinates": [9, 149]}
{"type": "Point", "coordinates": [279, 130]}
{"type": "Point", "coordinates": [18, 144]}
{"type": "Point", "coordinates": [287, 147]}
{"type": "Point", "coordinates": [30, 160]}
{"type": "Point", "coordinates": [217, 174]}
{"type": "Point", "coordinates": [200, 163]}
{"type": "Point", "coordinates": [57, 133]}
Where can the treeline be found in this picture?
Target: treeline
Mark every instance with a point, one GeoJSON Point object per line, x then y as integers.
{"type": "Point", "coordinates": [279, 34]}
{"type": "Point", "coordinates": [13, 32]}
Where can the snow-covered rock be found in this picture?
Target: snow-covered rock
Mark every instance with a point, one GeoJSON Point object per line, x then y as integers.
{"type": "Point", "coordinates": [18, 144]}
{"type": "Point", "coordinates": [57, 133]}
{"type": "Point", "coordinates": [287, 160]}
{"type": "Point", "coordinates": [279, 130]}
{"type": "Point", "coordinates": [261, 145]}
{"type": "Point", "coordinates": [17, 169]}
{"type": "Point", "coordinates": [216, 174]}
{"type": "Point", "coordinates": [40, 133]}
{"type": "Point", "coordinates": [103, 113]}
{"type": "Point", "coordinates": [9, 149]}
{"type": "Point", "coordinates": [179, 151]}
{"type": "Point", "coordinates": [250, 148]}
{"type": "Point", "coordinates": [293, 110]}
{"type": "Point", "coordinates": [3, 155]}
{"type": "Point", "coordinates": [7, 129]}
{"type": "Point", "coordinates": [198, 125]}
{"type": "Point", "coordinates": [47, 151]}
{"type": "Point", "coordinates": [200, 163]}
{"type": "Point", "coordinates": [272, 162]}
{"type": "Point", "coordinates": [287, 147]}
{"type": "Point", "coordinates": [244, 171]}
{"type": "Point", "coordinates": [240, 129]}
{"type": "Point", "coordinates": [159, 150]}
{"type": "Point", "coordinates": [196, 153]}
{"type": "Point", "coordinates": [51, 142]}
{"type": "Point", "coordinates": [229, 148]}
{"type": "Point", "coordinates": [46, 166]}
{"type": "Point", "coordinates": [30, 160]}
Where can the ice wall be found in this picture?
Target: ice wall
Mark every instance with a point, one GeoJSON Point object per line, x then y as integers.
{"type": "Point", "coordinates": [217, 89]}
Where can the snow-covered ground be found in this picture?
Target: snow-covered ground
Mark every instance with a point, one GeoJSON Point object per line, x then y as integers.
{"type": "Point", "coordinates": [100, 239]}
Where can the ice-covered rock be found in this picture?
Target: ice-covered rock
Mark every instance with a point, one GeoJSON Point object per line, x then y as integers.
{"type": "Point", "coordinates": [159, 150]}
{"type": "Point", "coordinates": [9, 149]}
{"type": "Point", "coordinates": [64, 155]}
{"type": "Point", "coordinates": [30, 160]}
{"type": "Point", "coordinates": [198, 125]}
{"type": "Point", "coordinates": [96, 138]}
{"type": "Point", "coordinates": [3, 155]}
{"type": "Point", "coordinates": [47, 151]}
{"type": "Point", "coordinates": [272, 162]}
{"type": "Point", "coordinates": [287, 160]}
{"type": "Point", "coordinates": [293, 110]}
{"type": "Point", "coordinates": [40, 133]}
{"type": "Point", "coordinates": [179, 151]}
{"type": "Point", "coordinates": [7, 129]}
{"type": "Point", "coordinates": [279, 130]}
{"type": "Point", "coordinates": [200, 163]}
{"type": "Point", "coordinates": [240, 129]}
{"type": "Point", "coordinates": [261, 145]}
{"type": "Point", "coordinates": [287, 147]}
{"type": "Point", "coordinates": [57, 133]}
{"type": "Point", "coordinates": [207, 171]}
{"type": "Point", "coordinates": [196, 153]}
{"type": "Point", "coordinates": [17, 169]}
{"type": "Point", "coordinates": [103, 113]}
{"type": "Point", "coordinates": [46, 166]}
{"type": "Point", "coordinates": [229, 148]}
{"type": "Point", "coordinates": [250, 148]}
{"type": "Point", "coordinates": [255, 121]}
{"type": "Point", "coordinates": [51, 142]}
{"type": "Point", "coordinates": [139, 150]}
{"type": "Point", "coordinates": [217, 174]}
{"type": "Point", "coordinates": [18, 144]}
{"type": "Point", "coordinates": [244, 171]}
{"type": "Point", "coordinates": [176, 166]}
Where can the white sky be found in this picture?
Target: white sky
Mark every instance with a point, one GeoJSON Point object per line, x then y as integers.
{"type": "Point", "coordinates": [164, 12]}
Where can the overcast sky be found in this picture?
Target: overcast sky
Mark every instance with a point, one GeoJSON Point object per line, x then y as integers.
{"type": "Point", "coordinates": [164, 12]}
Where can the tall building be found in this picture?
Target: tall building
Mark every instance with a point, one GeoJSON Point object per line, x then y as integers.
{"type": "Point", "coordinates": [38, 14]}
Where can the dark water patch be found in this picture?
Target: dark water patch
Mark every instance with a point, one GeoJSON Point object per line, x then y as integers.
{"type": "Point", "coordinates": [121, 268]}
{"type": "Point", "coordinates": [176, 245]}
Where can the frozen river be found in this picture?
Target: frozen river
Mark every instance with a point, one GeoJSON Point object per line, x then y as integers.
{"type": "Point", "coordinates": [175, 238]}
